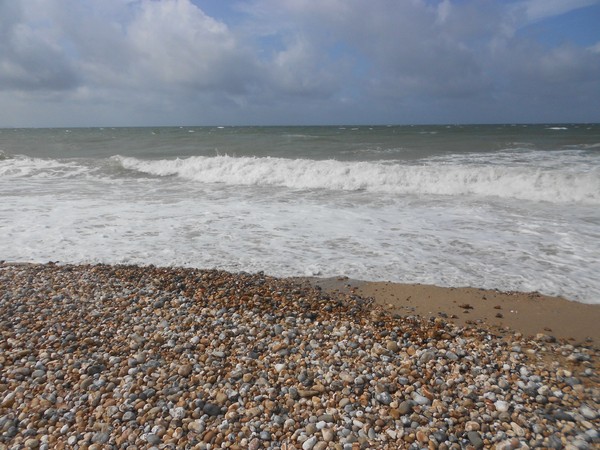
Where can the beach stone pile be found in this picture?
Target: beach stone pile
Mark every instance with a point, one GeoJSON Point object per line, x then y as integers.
{"type": "Point", "coordinates": [107, 357]}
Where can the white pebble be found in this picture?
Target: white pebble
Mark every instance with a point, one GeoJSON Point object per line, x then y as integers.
{"type": "Point", "coordinates": [501, 406]}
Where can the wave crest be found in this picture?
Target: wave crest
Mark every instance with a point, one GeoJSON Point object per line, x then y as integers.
{"type": "Point", "coordinates": [527, 183]}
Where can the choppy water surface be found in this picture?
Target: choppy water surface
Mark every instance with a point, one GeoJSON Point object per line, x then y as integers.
{"type": "Point", "coordinates": [507, 207]}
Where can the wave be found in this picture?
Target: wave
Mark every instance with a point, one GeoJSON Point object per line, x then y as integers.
{"type": "Point", "coordinates": [4, 155]}
{"type": "Point", "coordinates": [589, 146]}
{"type": "Point", "coordinates": [523, 182]}
{"type": "Point", "coordinates": [18, 166]}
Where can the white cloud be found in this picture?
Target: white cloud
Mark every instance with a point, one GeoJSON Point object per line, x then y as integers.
{"type": "Point", "coordinates": [536, 10]}
{"type": "Point", "coordinates": [282, 60]}
{"type": "Point", "coordinates": [300, 69]}
{"type": "Point", "coordinates": [175, 42]}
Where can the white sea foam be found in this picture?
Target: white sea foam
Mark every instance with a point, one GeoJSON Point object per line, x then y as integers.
{"type": "Point", "coordinates": [526, 183]}
{"type": "Point", "coordinates": [166, 221]}
{"type": "Point", "coordinates": [451, 213]}
{"type": "Point", "coordinates": [23, 166]}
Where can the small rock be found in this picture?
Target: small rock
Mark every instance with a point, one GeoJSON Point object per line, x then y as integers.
{"type": "Point", "coordinates": [304, 393]}
{"type": "Point", "coordinates": [210, 435]}
{"type": "Point", "coordinates": [184, 370]}
{"type": "Point", "coordinates": [127, 416]}
{"type": "Point", "coordinates": [505, 445]}
{"type": "Point", "coordinates": [384, 398]}
{"type": "Point", "coordinates": [309, 443]}
{"type": "Point", "coordinates": [392, 346]}
{"type": "Point", "coordinates": [561, 415]}
{"type": "Point", "coordinates": [517, 429]}
{"type": "Point", "coordinates": [405, 408]}
{"type": "Point", "coordinates": [196, 426]}
{"type": "Point", "coordinates": [501, 406]}
{"type": "Point", "coordinates": [153, 439]}
{"type": "Point", "coordinates": [38, 373]}
{"type": "Point", "coordinates": [328, 434]}
{"type": "Point", "coordinates": [177, 413]}
{"type": "Point", "coordinates": [265, 436]}
{"type": "Point", "coordinates": [420, 400]}
{"type": "Point", "coordinates": [32, 443]}
{"type": "Point", "coordinates": [475, 439]}
{"type": "Point", "coordinates": [8, 400]}
{"type": "Point", "coordinates": [421, 437]}
{"type": "Point", "coordinates": [101, 437]}
{"type": "Point", "coordinates": [440, 436]}
{"type": "Point", "coordinates": [320, 446]}
{"type": "Point", "coordinates": [426, 357]}
{"type": "Point", "coordinates": [212, 410]}
{"type": "Point", "coordinates": [94, 369]}
{"type": "Point", "coordinates": [451, 356]}
{"type": "Point", "coordinates": [588, 412]}
{"type": "Point", "coordinates": [472, 426]}
{"type": "Point", "coordinates": [221, 398]}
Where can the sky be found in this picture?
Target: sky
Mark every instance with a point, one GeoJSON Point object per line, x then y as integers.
{"type": "Point", "coordinates": [298, 62]}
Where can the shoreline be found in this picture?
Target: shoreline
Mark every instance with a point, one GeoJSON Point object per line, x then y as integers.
{"type": "Point", "coordinates": [528, 313]}
{"type": "Point", "coordinates": [101, 356]}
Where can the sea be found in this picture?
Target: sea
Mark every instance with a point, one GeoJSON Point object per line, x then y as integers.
{"type": "Point", "coordinates": [507, 207]}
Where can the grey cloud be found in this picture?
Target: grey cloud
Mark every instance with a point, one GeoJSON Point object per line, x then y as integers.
{"type": "Point", "coordinates": [285, 61]}
{"type": "Point", "coordinates": [403, 43]}
{"type": "Point", "coordinates": [420, 51]}
{"type": "Point", "coordinates": [175, 42]}
{"type": "Point", "coordinates": [29, 58]}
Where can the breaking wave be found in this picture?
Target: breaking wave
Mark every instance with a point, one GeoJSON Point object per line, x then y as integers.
{"type": "Point", "coordinates": [522, 182]}
{"type": "Point", "coordinates": [17, 166]}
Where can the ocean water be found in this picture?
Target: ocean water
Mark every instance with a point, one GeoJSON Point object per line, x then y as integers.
{"type": "Point", "coordinates": [511, 207]}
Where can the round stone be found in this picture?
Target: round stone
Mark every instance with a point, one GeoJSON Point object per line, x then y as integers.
{"type": "Point", "coordinates": [309, 443]}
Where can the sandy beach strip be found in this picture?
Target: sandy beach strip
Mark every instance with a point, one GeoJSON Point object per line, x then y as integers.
{"type": "Point", "coordinates": [107, 357]}
{"type": "Point", "coordinates": [502, 312]}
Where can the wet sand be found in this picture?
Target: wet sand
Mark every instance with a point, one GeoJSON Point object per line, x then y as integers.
{"type": "Point", "coordinates": [504, 312]}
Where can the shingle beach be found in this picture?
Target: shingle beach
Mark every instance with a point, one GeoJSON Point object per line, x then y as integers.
{"type": "Point", "coordinates": [110, 357]}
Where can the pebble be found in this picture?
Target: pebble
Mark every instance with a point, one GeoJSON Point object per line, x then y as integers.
{"type": "Point", "coordinates": [588, 412]}
{"type": "Point", "coordinates": [309, 443]}
{"type": "Point", "coordinates": [97, 356]}
{"type": "Point", "coordinates": [265, 435]}
{"type": "Point", "coordinates": [328, 434]}
{"type": "Point", "coordinates": [212, 409]}
{"type": "Point", "coordinates": [501, 406]}
{"type": "Point", "coordinates": [384, 398]}
{"type": "Point", "coordinates": [472, 426]}
{"type": "Point", "coordinates": [426, 357]}
{"type": "Point", "coordinates": [475, 439]}
{"type": "Point", "coordinates": [518, 430]}
{"type": "Point", "coordinates": [420, 399]}
{"type": "Point", "coordinates": [562, 415]}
